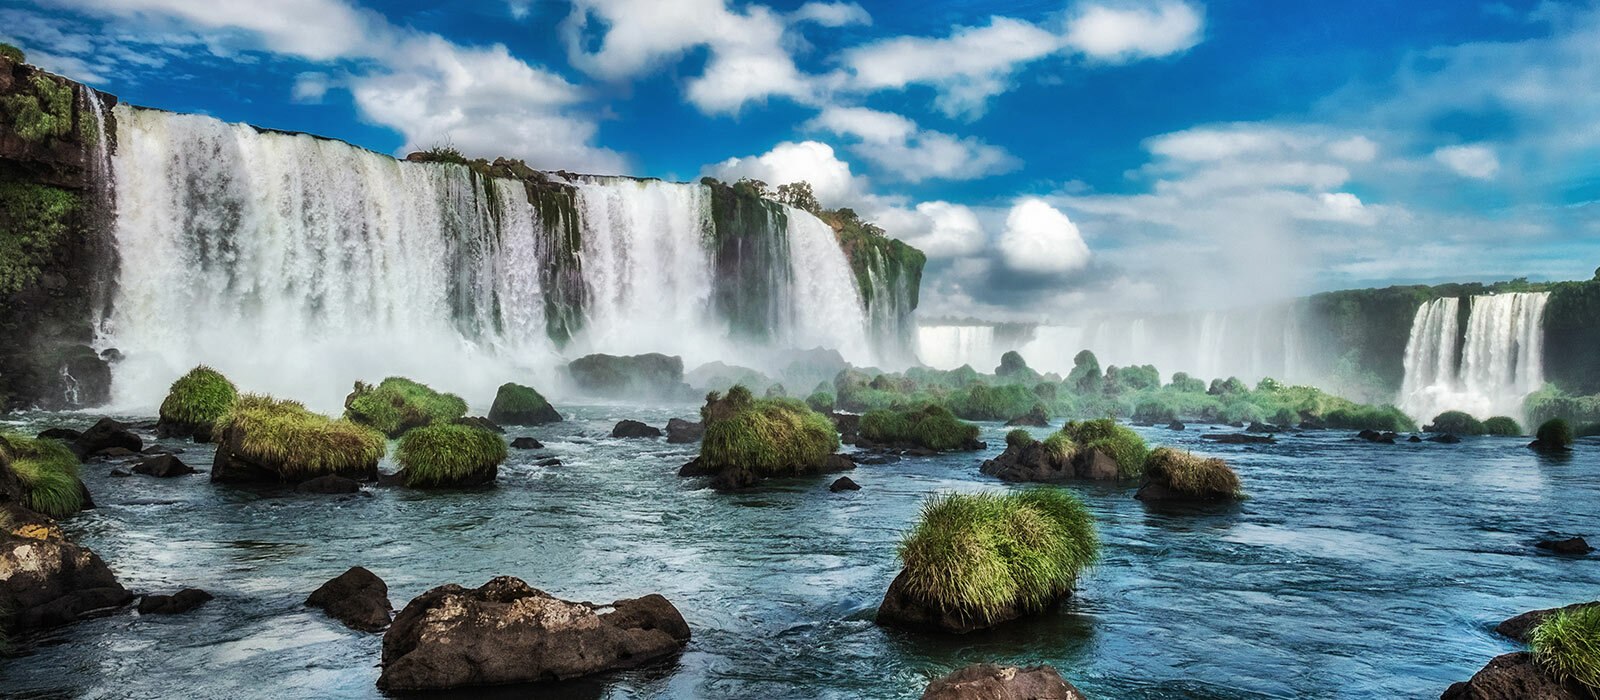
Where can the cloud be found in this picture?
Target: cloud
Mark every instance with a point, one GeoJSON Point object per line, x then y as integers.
{"type": "Point", "coordinates": [939, 229]}
{"type": "Point", "coordinates": [1040, 239]}
{"type": "Point", "coordinates": [281, 26]}
{"type": "Point", "coordinates": [1476, 161]}
{"type": "Point", "coordinates": [896, 145]}
{"type": "Point", "coordinates": [831, 14]}
{"type": "Point", "coordinates": [1119, 34]}
{"type": "Point", "coordinates": [789, 162]}
{"type": "Point", "coordinates": [310, 87]}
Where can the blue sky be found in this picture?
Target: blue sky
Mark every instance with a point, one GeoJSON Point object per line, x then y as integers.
{"type": "Point", "coordinates": [1049, 156]}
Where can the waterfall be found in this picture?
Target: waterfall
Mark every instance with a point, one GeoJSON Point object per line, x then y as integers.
{"type": "Point", "coordinates": [1249, 343]}
{"type": "Point", "coordinates": [102, 179]}
{"type": "Point", "coordinates": [825, 306]}
{"type": "Point", "coordinates": [949, 347]}
{"type": "Point", "coordinates": [1486, 371]}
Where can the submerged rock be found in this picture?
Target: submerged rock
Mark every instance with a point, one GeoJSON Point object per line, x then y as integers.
{"type": "Point", "coordinates": [163, 466]}
{"type": "Point", "coordinates": [509, 632]}
{"type": "Point", "coordinates": [1176, 425]}
{"type": "Point", "coordinates": [357, 598]}
{"type": "Point", "coordinates": [181, 602]}
{"type": "Point", "coordinates": [991, 682]}
{"type": "Point", "coordinates": [680, 431]}
{"type": "Point", "coordinates": [527, 443]}
{"type": "Point", "coordinates": [634, 429]}
{"type": "Point", "coordinates": [1571, 545]}
{"type": "Point", "coordinates": [1513, 677]}
{"type": "Point", "coordinates": [900, 608]}
{"type": "Point", "coordinates": [1378, 437]}
{"type": "Point", "coordinates": [1035, 417]}
{"type": "Point", "coordinates": [1239, 438]}
{"type": "Point", "coordinates": [843, 483]}
{"type": "Point", "coordinates": [1447, 439]}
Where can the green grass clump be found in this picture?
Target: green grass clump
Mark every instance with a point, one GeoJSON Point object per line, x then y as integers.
{"type": "Point", "coordinates": [1455, 423]}
{"type": "Point", "coordinates": [820, 401]}
{"type": "Point", "coordinates": [1567, 646]}
{"type": "Point", "coordinates": [1106, 435]}
{"type": "Point", "coordinates": [1555, 433]}
{"type": "Point", "coordinates": [768, 437]}
{"type": "Point", "coordinates": [516, 404]}
{"type": "Point", "coordinates": [297, 443]}
{"type": "Point", "coordinates": [1357, 417]}
{"type": "Point", "coordinates": [12, 53]}
{"type": "Point", "coordinates": [198, 398]}
{"type": "Point", "coordinates": [1019, 438]}
{"type": "Point", "coordinates": [1060, 446]}
{"type": "Point", "coordinates": [1502, 426]}
{"type": "Point", "coordinates": [1190, 474]}
{"type": "Point", "coordinates": [49, 472]}
{"type": "Point", "coordinates": [447, 453]}
{"type": "Point", "coordinates": [399, 404]}
{"type": "Point", "coordinates": [981, 554]}
{"type": "Point", "coordinates": [931, 426]}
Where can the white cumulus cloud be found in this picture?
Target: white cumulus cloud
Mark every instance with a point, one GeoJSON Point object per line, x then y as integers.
{"type": "Point", "coordinates": [1119, 33]}
{"type": "Point", "coordinates": [1040, 239]}
{"type": "Point", "coordinates": [896, 145]}
{"type": "Point", "coordinates": [1475, 161]}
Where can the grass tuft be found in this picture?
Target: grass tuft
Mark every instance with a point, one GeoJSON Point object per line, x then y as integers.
{"type": "Point", "coordinates": [767, 437]}
{"type": "Point", "coordinates": [1106, 435]}
{"type": "Point", "coordinates": [981, 554]}
{"type": "Point", "coordinates": [1019, 438]}
{"type": "Point", "coordinates": [448, 453]}
{"type": "Point", "coordinates": [1502, 426]}
{"type": "Point", "coordinates": [931, 426]}
{"type": "Point", "coordinates": [49, 472]}
{"type": "Point", "coordinates": [198, 398]}
{"type": "Point", "coordinates": [399, 404]}
{"type": "Point", "coordinates": [297, 443]}
{"type": "Point", "coordinates": [1190, 474]}
{"type": "Point", "coordinates": [1455, 423]}
{"type": "Point", "coordinates": [1567, 646]}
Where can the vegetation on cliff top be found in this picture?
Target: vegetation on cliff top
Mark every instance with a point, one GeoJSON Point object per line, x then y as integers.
{"type": "Point", "coordinates": [448, 453]}
{"type": "Point", "coordinates": [296, 442]}
{"type": "Point", "coordinates": [12, 53]}
{"type": "Point", "coordinates": [40, 110]}
{"type": "Point", "coordinates": [981, 554]}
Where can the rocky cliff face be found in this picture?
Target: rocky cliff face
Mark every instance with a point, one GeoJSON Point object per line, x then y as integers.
{"type": "Point", "coordinates": [56, 255]}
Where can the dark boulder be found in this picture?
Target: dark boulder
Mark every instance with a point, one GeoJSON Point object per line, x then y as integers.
{"type": "Point", "coordinates": [548, 462]}
{"type": "Point", "coordinates": [680, 431]}
{"type": "Point", "coordinates": [1414, 438]}
{"type": "Point", "coordinates": [120, 472]}
{"type": "Point", "coordinates": [47, 581]}
{"type": "Point", "coordinates": [651, 375]}
{"type": "Point", "coordinates": [509, 632]}
{"type": "Point", "coordinates": [991, 682]}
{"type": "Point", "coordinates": [357, 598]}
{"type": "Point", "coordinates": [1032, 462]}
{"type": "Point", "coordinates": [480, 423]}
{"type": "Point", "coordinates": [527, 443]}
{"type": "Point", "coordinates": [104, 435]}
{"type": "Point", "coordinates": [1258, 427]}
{"type": "Point", "coordinates": [1513, 677]}
{"type": "Point", "coordinates": [1571, 545]}
{"type": "Point", "coordinates": [515, 404]}
{"type": "Point", "coordinates": [634, 429]}
{"type": "Point", "coordinates": [1035, 417]}
{"type": "Point", "coordinates": [1381, 438]}
{"type": "Point", "coordinates": [1176, 425]}
{"type": "Point", "coordinates": [1518, 628]}
{"type": "Point", "coordinates": [697, 467]}
{"type": "Point", "coordinates": [843, 483]}
{"type": "Point", "coordinates": [62, 434]}
{"type": "Point", "coordinates": [848, 425]}
{"type": "Point", "coordinates": [903, 610]}
{"type": "Point", "coordinates": [181, 602]}
{"type": "Point", "coordinates": [330, 483]}
{"type": "Point", "coordinates": [1239, 438]}
{"type": "Point", "coordinates": [114, 453]}
{"type": "Point", "coordinates": [163, 466]}
{"type": "Point", "coordinates": [1446, 439]}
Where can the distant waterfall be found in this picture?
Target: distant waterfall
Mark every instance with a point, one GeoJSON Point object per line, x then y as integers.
{"type": "Point", "coordinates": [1251, 343]}
{"type": "Point", "coordinates": [825, 305]}
{"type": "Point", "coordinates": [949, 347]}
{"type": "Point", "coordinates": [1487, 370]}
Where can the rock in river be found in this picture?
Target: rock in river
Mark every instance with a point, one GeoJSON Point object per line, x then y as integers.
{"type": "Point", "coordinates": [991, 682]}
{"type": "Point", "coordinates": [357, 597]}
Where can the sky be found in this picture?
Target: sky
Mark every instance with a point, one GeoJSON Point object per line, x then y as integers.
{"type": "Point", "coordinates": [1048, 156]}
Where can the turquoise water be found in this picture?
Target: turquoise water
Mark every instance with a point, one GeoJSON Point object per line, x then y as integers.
{"type": "Point", "coordinates": [1354, 569]}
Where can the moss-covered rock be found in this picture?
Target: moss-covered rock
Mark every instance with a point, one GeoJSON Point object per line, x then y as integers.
{"type": "Point", "coordinates": [749, 439]}
{"type": "Point", "coordinates": [1554, 435]}
{"type": "Point", "coordinates": [1502, 426]}
{"type": "Point", "coordinates": [515, 404]}
{"type": "Point", "coordinates": [931, 427]}
{"type": "Point", "coordinates": [1455, 423]}
{"type": "Point", "coordinates": [448, 455]}
{"type": "Point", "coordinates": [1177, 476]}
{"type": "Point", "coordinates": [820, 401]}
{"type": "Point", "coordinates": [262, 439]}
{"type": "Point", "coordinates": [1117, 440]}
{"type": "Point", "coordinates": [976, 560]}
{"type": "Point", "coordinates": [194, 403]}
{"type": "Point", "coordinates": [48, 472]}
{"type": "Point", "coordinates": [397, 405]}
{"type": "Point", "coordinates": [651, 375]}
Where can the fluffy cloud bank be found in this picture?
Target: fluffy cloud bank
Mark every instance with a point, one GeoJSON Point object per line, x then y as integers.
{"type": "Point", "coordinates": [1040, 239]}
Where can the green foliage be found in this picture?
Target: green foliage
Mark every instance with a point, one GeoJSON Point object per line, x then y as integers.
{"type": "Point", "coordinates": [1550, 402]}
{"type": "Point", "coordinates": [12, 54]}
{"type": "Point", "coordinates": [979, 555]}
{"type": "Point", "coordinates": [1567, 646]}
{"type": "Point", "coordinates": [1241, 411]}
{"type": "Point", "coordinates": [1502, 426]}
{"type": "Point", "coordinates": [441, 153]}
{"type": "Point", "coordinates": [42, 110]}
{"type": "Point", "coordinates": [1181, 381]}
{"type": "Point", "coordinates": [1356, 417]}
{"type": "Point", "coordinates": [932, 427]}
{"type": "Point", "coordinates": [1555, 433]}
{"type": "Point", "coordinates": [1456, 423]}
{"type": "Point", "coordinates": [1019, 438]}
{"type": "Point", "coordinates": [768, 437]}
{"type": "Point", "coordinates": [49, 472]}
{"type": "Point", "coordinates": [798, 195]}
{"type": "Point", "coordinates": [198, 398]}
{"type": "Point", "coordinates": [1060, 446]}
{"type": "Point", "coordinates": [1189, 474]}
{"type": "Point", "coordinates": [298, 443]}
{"type": "Point", "coordinates": [399, 404]}
{"type": "Point", "coordinates": [1232, 386]}
{"type": "Point", "coordinates": [1106, 435]}
{"type": "Point", "coordinates": [34, 223]}
{"type": "Point", "coordinates": [447, 453]}
{"type": "Point", "coordinates": [1136, 378]}
{"type": "Point", "coordinates": [983, 402]}
{"type": "Point", "coordinates": [820, 401]}
{"type": "Point", "coordinates": [1085, 375]}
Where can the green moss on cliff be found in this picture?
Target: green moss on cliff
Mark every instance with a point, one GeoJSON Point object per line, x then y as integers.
{"type": "Point", "coordinates": [42, 110]}
{"type": "Point", "coordinates": [34, 221]}
{"type": "Point", "coordinates": [12, 54]}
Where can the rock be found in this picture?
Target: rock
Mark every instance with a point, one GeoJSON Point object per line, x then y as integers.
{"type": "Point", "coordinates": [680, 431]}
{"type": "Point", "coordinates": [991, 682]}
{"type": "Point", "coordinates": [115, 453]}
{"type": "Point", "coordinates": [120, 472]}
{"type": "Point", "coordinates": [634, 429]}
{"type": "Point", "coordinates": [62, 434]}
{"type": "Point", "coordinates": [651, 375]}
{"type": "Point", "coordinates": [1571, 545]}
{"type": "Point", "coordinates": [515, 404]}
{"type": "Point", "coordinates": [480, 423]}
{"type": "Point", "coordinates": [1377, 437]}
{"type": "Point", "coordinates": [330, 483]}
{"type": "Point", "coordinates": [1414, 438]}
{"type": "Point", "coordinates": [1446, 438]}
{"type": "Point", "coordinates": [1176, 425]}
{"type": "Point", "coordinates": [876, 459]}
{"type": "Point", "coordinates": [902, 610]}
{"type": "Point", "coordinates": [1518, 628]}
{"type": "Point", "coordinates": [1035, 417]}
{"type": "Point", "coordinates": [527, 443]}
{"type": "Point", "coordinates": [1239, 438]}
{"type": "Point", "coordinates": [848, 425]}
{"type": "Point", "coordinates": [357, 598]}
{"type": "Point", "coordinates": [181, 602]}
{"type": "Point", "coordinates": [1256, 427]}
{"type": "Point", "coordinates": [1513, 677]}
{"type": "Point", "coordinates": [47, 581]}
{"type": "Point", "coordinates": [159, 450]}
{"type": "Point", "coordinates": [104, 435]}
{"type": "Point", "coordinates": [843, 483]}
{"type": "Point", "coordinates": [163, 466]}
{"type": "Point", "coordinates": [509, 632]}
{"type": "Point", "coordinates": [1033, 463]}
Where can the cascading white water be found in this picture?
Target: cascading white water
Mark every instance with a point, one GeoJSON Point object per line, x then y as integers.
{"type": "Point", "coordinates": [1488, 370]}
{"type": "Point", "coordinates": [949, 347]}
{"type": "Point", "coordinates": [825, 305]}
{"type": "Point", "coordinates": [1251, 344]}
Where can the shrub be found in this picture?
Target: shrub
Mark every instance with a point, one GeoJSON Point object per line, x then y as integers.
{"type": "Point", "coordinates": [1019, 438]}
{"type": "Point", "coordinates": [399, 404]}
{"type": "Point", "coordinates": [49, 472]}
{"type": "Point", "coordinates": [1106, 435]}
{"type": "Point", "coordinates": [1155, 409]}
{"type": "Point", "coordinates": [1182, 382]}
{"type": "Point", "coordinates": [1232, 386]}
{"type": "Point", "coordinates": [931, 426]}
{"type": "Point", "coordinates": [12, 53]}
{"type": "Point", "coordinates": [448, 453]}
{"type": "Point", "coordinates": [1455, 422]}
{"type": "Point", "coordinates": [1192, 475]}
{"type": "Point", "coordinates": [981, 554]}
{"type": "Point", "coordinates": [515, 404]}
{"type": "Point", "coordinates": [982, 402]}
{"type": "Point", "coordinates": [198, 398]}
{"type": "Point", "coordinates": [297, 443]}
{"type": "Point", "coordinates": [1059, 446]}
{"type": "Point", "coordinates": [1085, 376]}
{"type": "Point", "coordinates": [41, 110]}
{"type": "Point", "coordinates": [1354, 417]}
{"type": "Point", "coordinates": [766, 437]}
{"type": "Point", "coordinates": [1241, 411]}
{"type": "Point", "coordinates": [1502, 426]}
{"type": "Point", "coordinates": [34, 220]}
{"type": "Point", "coordinates": [1567, 646]}
{"type": "Point", "coordinates": [820, 401]}
{"type": "Point", "coordinates": [1554, 433]}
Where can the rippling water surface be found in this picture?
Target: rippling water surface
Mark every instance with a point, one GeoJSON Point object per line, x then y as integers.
{"type": "Point", "coordinates": [1354, 570]}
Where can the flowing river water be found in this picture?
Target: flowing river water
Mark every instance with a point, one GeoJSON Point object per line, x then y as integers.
{"type": "Point", "coordinates": [1353, 570]}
